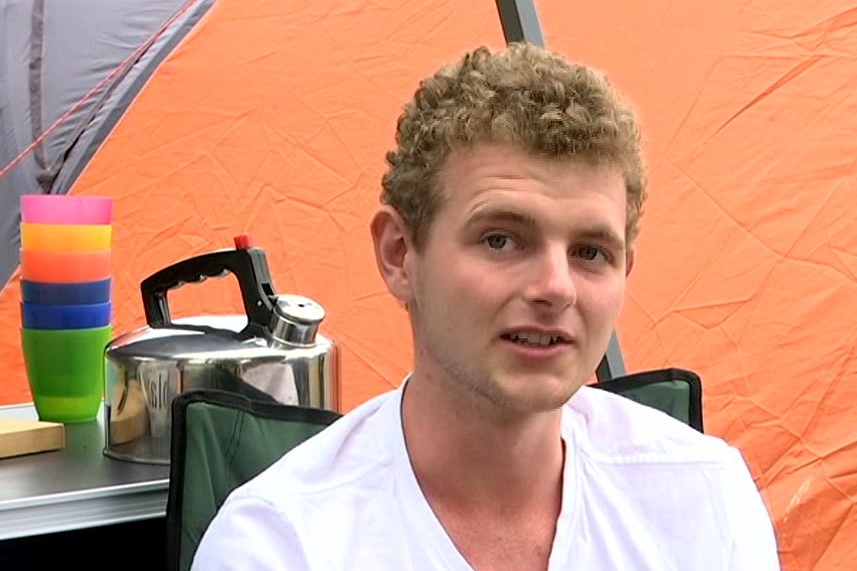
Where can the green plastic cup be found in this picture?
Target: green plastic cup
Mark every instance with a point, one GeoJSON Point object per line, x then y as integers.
{"type": "Point", "coordinates": [65, 370]}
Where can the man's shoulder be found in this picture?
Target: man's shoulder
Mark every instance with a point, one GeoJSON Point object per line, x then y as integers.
{"type": "Point", "coordinates": [613, 428]}
{"type": "Point", "coordinates": [352, 448]}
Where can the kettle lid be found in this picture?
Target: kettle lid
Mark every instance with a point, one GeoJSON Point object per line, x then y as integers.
{"type": "Point", "coordinates": [211, 338]}
{"type": "Point", "coordinates": [295, 320]}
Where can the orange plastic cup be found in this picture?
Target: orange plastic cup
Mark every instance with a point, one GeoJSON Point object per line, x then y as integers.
{"type": "Point", "coordinates": [65, 267]}
{"type": "Point", "coordinates": [66, 237]}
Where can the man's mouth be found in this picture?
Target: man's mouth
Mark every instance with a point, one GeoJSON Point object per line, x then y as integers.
{"type": "Point", "coordinates": [535, 339]}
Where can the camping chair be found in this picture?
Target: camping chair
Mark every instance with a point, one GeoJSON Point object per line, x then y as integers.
{"type": "Point", "coordinates": [219, 441]}
{"type": "Point", "coordinates": [676, 392]}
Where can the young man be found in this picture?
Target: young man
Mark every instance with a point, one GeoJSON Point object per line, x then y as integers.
{"type": "Point", "coordinates": [507, 228]}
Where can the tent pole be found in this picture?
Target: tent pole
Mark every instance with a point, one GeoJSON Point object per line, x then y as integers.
{"type": "Point", "coordinates": [520, 23]}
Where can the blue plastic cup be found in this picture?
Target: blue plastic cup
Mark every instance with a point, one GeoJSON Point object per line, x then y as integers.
{"type": "Point", "coordinates": [38, 316]}
{"type": "Point", "coordinates": [69, 293]}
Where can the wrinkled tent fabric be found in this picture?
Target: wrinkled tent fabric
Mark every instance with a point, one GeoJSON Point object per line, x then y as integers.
{"type": "Point", "coordinates": [54, 54]}
{"type": "Point", "coordinates": [273, 118]}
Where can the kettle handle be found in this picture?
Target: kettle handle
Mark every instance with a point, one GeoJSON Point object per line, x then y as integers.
{"type": "Point", "coordinates": [249, 265]}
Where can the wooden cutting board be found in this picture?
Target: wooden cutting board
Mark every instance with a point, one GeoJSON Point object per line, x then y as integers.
{"type": "Point", "coordinates": [19, 436]}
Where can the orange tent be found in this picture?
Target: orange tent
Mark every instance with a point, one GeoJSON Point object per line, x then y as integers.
{"type": "Point", "coordinates": [273, 119]}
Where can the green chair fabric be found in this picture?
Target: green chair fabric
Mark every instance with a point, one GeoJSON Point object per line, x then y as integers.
{"type": "Point", "coordinates": [677, 392]}
{"type": "Point", "coordinates": [219, 441]}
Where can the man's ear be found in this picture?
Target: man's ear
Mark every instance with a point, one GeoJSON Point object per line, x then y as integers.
{"type": "Point", "coordinates": [629, 261]}
{"type": "Point", "coordinates": [393, 252]}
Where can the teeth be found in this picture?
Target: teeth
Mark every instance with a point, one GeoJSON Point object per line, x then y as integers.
{"type": "Point", "coordinates": [535, 338]}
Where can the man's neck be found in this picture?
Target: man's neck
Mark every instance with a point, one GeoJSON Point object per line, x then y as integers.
{"type": "Point", "coordinates": [465, 453]}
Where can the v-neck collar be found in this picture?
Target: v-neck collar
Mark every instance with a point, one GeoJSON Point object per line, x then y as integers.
{"type": "Point", "coordinates": [419, 511]}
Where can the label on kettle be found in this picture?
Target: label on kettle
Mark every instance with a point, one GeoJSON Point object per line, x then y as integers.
{"type": "Point", "coordinates": [160, 385]}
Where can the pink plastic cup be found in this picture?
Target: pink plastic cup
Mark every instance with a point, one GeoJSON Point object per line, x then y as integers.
{"type": "Point", "coordinates": [66, 209]}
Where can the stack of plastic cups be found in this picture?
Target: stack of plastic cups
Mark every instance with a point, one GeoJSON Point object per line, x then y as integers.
{"type": "Point", "coordinates": [66, 305]}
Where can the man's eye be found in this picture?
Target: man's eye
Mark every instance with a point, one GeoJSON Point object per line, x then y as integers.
{"type": "Point", "coordinates": [498, 241]}
{"type": "Point", "coordinates": [590, 253]}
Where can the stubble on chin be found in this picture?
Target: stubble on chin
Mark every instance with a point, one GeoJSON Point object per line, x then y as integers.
{"type": "Point", "coordinates": [484, 391]}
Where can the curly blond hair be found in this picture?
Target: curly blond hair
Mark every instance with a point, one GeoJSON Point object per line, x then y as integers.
{"type": "Point", "coordinates": [523, 95]}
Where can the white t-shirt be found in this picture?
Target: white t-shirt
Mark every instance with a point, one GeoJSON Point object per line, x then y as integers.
{"type": "Point", "coordinates": [641, 491]}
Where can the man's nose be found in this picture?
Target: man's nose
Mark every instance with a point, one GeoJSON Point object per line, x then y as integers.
{"type": "Point", "coordinates": [552, 284]}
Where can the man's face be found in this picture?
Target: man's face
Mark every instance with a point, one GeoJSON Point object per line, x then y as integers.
{"type": "Point", "coordinates": [515, 295]}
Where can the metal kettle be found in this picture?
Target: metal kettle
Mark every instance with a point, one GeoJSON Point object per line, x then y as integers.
{"type": "Point", "coordinates": [272, 353]}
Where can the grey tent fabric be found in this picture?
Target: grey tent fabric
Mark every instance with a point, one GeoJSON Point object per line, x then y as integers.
{"type": "Point", "coordinates": [117, 100]}
{"type": "Point", "coordinates": [52, 54]}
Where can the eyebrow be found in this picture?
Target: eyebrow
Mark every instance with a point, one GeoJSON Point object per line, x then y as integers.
{"type": "Point", "coordinates": [500, 214]}
{"type": "Point", "coordinates": [604, 235]}
{"type": "Point", "coordinates": [596, 232]}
